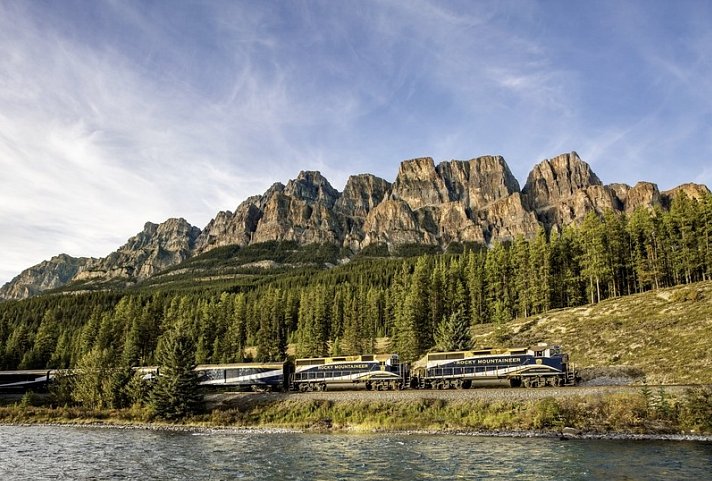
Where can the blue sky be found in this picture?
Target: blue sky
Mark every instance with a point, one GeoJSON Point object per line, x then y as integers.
{"type": "Point", "coordinates": [113, 113]}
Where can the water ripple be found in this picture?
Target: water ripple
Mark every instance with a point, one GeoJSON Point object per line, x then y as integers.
{"type": "Point", "coordinates": [49, 452]}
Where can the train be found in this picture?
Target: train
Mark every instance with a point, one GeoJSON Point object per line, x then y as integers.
{"type": "Point", "coordinates": [535, 366]}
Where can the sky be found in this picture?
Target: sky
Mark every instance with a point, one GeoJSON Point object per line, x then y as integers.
{"type": "Point", "coordinates": [114, 113]}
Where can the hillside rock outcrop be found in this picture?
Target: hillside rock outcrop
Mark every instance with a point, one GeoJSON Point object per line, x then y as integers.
{"type": "Point", "coordinates": [418, 184]}
{"type": "Point", "coordinates": [691, 190]}
{"type": "Point", "coordinates": [644, 194]}
{"type": "Point", "coordinates": [302, 211]}
{"type": "Point", "coordinates": [155, 248]}
{"type": "Point", "coordinates": [564, 189]}
{"type": "Point", "coordinates": [46, 275]}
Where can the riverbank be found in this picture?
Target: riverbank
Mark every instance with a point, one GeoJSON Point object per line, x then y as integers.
{"type": "Point", "coordinates": [230, 430]}
{"type": "Point", "coordinates": [616, 415]}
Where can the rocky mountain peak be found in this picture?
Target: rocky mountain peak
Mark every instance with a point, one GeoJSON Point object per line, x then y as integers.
{"type": "Point", "coordinates": [643, 194]}
{"type": "Point", "coordinates": [312, 186]}
{"type": "Point", "coordinates": [361, 194]}
{"type": "Point", "coordinates": [563, 189]}
{"type": "Point", "coordinates": [418, 184]}
{"type": "Point", "coordinates": [478, 182]}
{"type": "Point", "coordinates": [155, 248]}
{"type": "Point", "coordinates": [51, 274]}
{"type": "Point", "coordinates": [691, 190]}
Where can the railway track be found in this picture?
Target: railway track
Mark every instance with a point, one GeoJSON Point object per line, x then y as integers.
{"type": "Point", "coordinates": [241, 399]}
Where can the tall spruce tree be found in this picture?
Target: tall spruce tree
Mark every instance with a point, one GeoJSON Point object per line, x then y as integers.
{"type": "Point", "coordinates": [453, 333]}
{"type": "Point", "coordinates": [175, 394]}
{"type": "Point", "coordinates": [595, 267]}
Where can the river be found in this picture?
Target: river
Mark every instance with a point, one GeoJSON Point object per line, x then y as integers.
{"type": "Point", "coordinates": [69, 453]}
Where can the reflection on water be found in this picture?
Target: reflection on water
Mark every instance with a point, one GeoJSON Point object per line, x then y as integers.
{"type": "Point", "coordinates": [89, 453]}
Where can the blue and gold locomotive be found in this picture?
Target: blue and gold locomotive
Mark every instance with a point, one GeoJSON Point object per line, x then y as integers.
{"type": "Point", "coordinates": [536, 366]}
{"type": "Point", "coordinates": [373, 371]}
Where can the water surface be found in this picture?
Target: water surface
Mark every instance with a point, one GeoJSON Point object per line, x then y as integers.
{"type": "Point", "coordinates": [48, 452]}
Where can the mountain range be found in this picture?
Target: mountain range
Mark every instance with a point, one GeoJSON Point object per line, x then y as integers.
{"type": "Point", "coordinates": [473, 201]}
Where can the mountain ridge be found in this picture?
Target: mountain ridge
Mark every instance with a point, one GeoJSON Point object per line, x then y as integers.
{"type": "Point", "coordinates": [475, 201]}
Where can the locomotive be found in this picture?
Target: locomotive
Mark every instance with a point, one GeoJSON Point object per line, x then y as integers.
{"type": "Point", "coordinates": [536, 366]}
{"type": "Point", "coordinates": [373, 371]}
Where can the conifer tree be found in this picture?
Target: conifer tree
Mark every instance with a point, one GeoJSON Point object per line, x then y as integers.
{"type": "Point", "coordinates": [45, 340]}
{"type": "Point", "coordinates": [523, 276]}
{"type": "Point", "coordinates": [453, 333]}
{"type": "Point", "coordinates": [311, 335]}
{"type": "Point", "coordinates": [413, 332]}
{"type": "Point", "coordinates": [540, 262]}
{"type": "Point", "coordinates": [438, 283]}
{"type": "Point", "coordinates": [175, 393]}
{"type": "Point", "coordinates": [99, 382]}
{"type": "Point", "coordinates": [476, 287]}
{"type": "Point", "coordinates": [592, 237]}
{"type": "Point", "coordinates": [706, 237]}
{"type": "Point", "coordinates": [272, 335]}
{"type": "Point", "coordinates": [499, 280]}
{"type": "Point", "coordinates": [352, 341]}
{"type": "Point", "coordinates": [236, 333]}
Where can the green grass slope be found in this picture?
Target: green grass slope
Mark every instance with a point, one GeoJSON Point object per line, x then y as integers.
{"type": "Point", "coordinates": [666, 334]}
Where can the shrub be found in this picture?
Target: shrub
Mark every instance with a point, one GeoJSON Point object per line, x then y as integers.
{"type": "Point", "coordinates": [696, 409]}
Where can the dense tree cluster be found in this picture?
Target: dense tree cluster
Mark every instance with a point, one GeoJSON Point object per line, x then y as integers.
{"type": "Point", "coordinates": [420, 303]}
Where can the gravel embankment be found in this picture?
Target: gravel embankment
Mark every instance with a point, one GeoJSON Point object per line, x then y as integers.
{"type": "Point", "coordinates": [504, 394]}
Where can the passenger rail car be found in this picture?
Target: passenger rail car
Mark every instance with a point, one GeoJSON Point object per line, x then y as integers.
{"type": "Point", "coordinates": [270, 376]}
{"type": "Point", "coordinates": [25, 380]}
{"type": "Point", "coordinates": [539, 365]}
{"type": "Point", "coordinates": [373, 371]}
{"type": "Point", "coordinates": [255, 376]}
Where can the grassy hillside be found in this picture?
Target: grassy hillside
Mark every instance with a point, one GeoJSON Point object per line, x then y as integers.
{"type": "Point", "coordinates": [667, 334]}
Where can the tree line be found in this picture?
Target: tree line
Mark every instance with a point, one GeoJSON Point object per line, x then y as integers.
{"type": "Point", "coordinates": [418, 303]}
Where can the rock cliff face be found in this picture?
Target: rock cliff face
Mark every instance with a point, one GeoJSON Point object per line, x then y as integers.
{"type": "Point", "coordinates": [692, 191]}
{"type": "Point", "coordinates": [563, 190]}
{"type": "Point", "coordinates": [476, 200]}
{"type": "Point", "coordinates": [46, 275]}
{"type": "Point", "coordinates": [644, 194]}
{"type": "Point", "coordinates": [150, 251]}
{"type": "Point", "coordinates": [458, 201]}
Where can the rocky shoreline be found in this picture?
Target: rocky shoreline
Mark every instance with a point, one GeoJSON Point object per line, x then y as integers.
{"type": "Point", "coordinates": [565, 434]}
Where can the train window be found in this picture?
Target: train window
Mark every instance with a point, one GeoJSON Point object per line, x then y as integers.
{"type": "Point", "coordinates": [538, 353]}
{"type": "Point", "coordinates": [308, 362]}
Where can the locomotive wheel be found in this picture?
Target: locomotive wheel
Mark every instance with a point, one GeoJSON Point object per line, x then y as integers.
{"type": "Point", "coordinates": [369, 386]}
{"type": "Point", "coordinates": [466, 384]}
